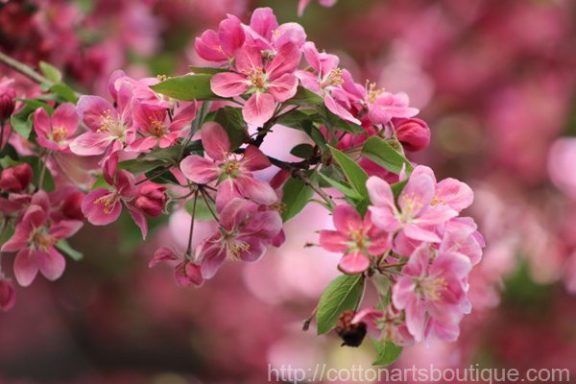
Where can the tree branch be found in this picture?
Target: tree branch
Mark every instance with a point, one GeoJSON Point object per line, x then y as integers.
{"type": "Point", "coordinates": [24, 69]}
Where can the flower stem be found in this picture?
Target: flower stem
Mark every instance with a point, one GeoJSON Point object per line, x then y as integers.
{"type": "Point", "coordinates": [24, 69]}
{"type": "Point", "coordinates": [192, 215]}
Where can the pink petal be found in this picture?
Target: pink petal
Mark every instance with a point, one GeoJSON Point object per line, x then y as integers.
{"type": "Point", "coordinates": [259, 109]}
{"type": "Point", "coordinates": [380, 192]}
{"type": "Point", "coordinates": [254, 159]}
{"type": "Point", "coordinates": [354, 263]}
{"type": "Point", "coordinates": [417, 194]}
{"type": "Point", "coordinates": [42, 125]}
{"type": "Point", "coordinates": [285, 61]}
{"type": "Point", "coordinates": [416, 232]}
{"type": "Point", "coordinates": [347, 219]}
{"type": "Point", "coordinates": [93, 109]}
{"type": "Point", "coordinates": [90, 144]}
{"type": "Point", "coordinates": [231, 34]}
{"type": "Point", "coordinates": [199, 169]}
{"type": "Point", "coordinates": [263, 22]}
{"type": "Point", "coordinates": [18, 241]}
{"type": "Point", "coordinates": [284, 87]}
{"type": "Point", "coordinates": [208, 47]}
{"type": "Point", "coordinates": [65, 117]}
{"type": "Point", "coordinates": [339, 110]}
{"type": "Point", "coordinates": [229, 84]}
{"type": "Point", "coordinates": [259, 191]}
{"type": "Point", "coordinates": [333, 241]}
{"type": "Point", "coordinates": [162, 254]}
{"type": "Point", "coordinates": [248, 59]}
{"type": "Point", "coordinates": [101, 207]}
{"type": "Point", "coordinates": [51, 263]}
{"type": "Point", "coordinates": [456, 194]}
{"type": "Point", "coordinates": [139, 219]}
{"type": "Point", "coordinates": [416, 319]}
{"type": "Point", "coordinates": [212, 255]}
{"type": "Point", "coordinates": [385, 219]}
{"type": "Point", "coordinates": [215, 141]}
{"type": "Point", "coordinates": [25, 267]}
{"type": "Point", "coordinates": [65, 229]}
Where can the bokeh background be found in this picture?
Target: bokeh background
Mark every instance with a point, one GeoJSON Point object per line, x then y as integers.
{"type": "Point", "coordinates": [496, 81]}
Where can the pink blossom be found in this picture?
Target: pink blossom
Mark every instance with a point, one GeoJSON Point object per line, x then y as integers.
{"type": "Point", "coordinates": [432, 291]}
{"type": "Point", "coordinates": [55, 132]}
{"type": "Point", "coordinates": [35, 238]}
{"type": "Point", "coordinates": [388, 324]}
{"type": "Point", "coordinates": [245, 232]}
{"type": "Point", "coordinates": [267, 81]}
{"type": "Point", "coordinates": [232, 172]}
{"type": "Point", "coordinates": [302, 4]}
{"type": "Point", "coordinates": [265, 33]}
{"type": "Point", "coordinates": [16, 178]}
{"type": "Point", "coordinates": [221, 45]}
{"type": "Point", "coordinates": [358, 239]}
{"type": "Point", "coordinates": [103, 206]}
{"type": "Point", "coordinates": [326, 80]}
{"type": "Point", "coordinates": [7, 294]}
{"type": "Point", "coordinates": [418, 213]}
{"type": "Point", "coordinates": [151, 198]}
{"type": "Point", "coordinates": [186, 272]}
{"type": "Point", "coordinates": [109, 128]}
{"type": "Point", "coordinates": [7, 99]}
{"type": "Point", "coordinates": [152, 121]}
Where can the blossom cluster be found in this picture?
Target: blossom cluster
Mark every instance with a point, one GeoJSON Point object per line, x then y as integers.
{"type": "Point", "coordinates": [195, 142]}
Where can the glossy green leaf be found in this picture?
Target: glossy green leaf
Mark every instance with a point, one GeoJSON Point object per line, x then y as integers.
{"type": "Point", "coordinates": [355, 175]}
{"type": "Point", "coordinates": [344, 293]}
{"type": "Point", "coordinates": [303, 151]}
{"type": "Point", "coordinates": [384, 154]}
{"type": "Point", "coordinates": [188, 87]}
{"type": "Point", "coordinates": [50, 72]}
{"type": "Point", "coordinates": [388, 353]}
{"type": "Point", "coordinates": [296, 194]}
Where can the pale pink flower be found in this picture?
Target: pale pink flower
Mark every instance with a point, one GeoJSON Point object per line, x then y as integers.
{"type": "Point", "coordinates": [35, 238]}
{"type": "Point", "coordinates": [232, 172]}
{"type": "Point", "coordinates": [432, 291]}
{"type": "Point", "coordinates": [186, 272]}
{"type": "Point", "coordinates": [55, 132]}
{"type": "Point", "coordinates": [417, 214]}
{"type": "Point", "coordinates": [245, 232]}
{"type": "Point", "coordinates": [358, 239]}
{"type": "Point", "coordinates": [221, 46]}
{"type": "Point", "coordinates": [266, 81]}
{"type": "Point", "coordinates": [302, 4]}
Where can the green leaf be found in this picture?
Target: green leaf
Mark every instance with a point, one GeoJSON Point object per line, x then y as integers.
{"type": "Point", "coordinates": [189, 87]}
{"type": "Point", "coordinates": [206, 70]}
{"type": "Point", "coordinates": [231, 120]}
{"type": "Point", "coordinates": [170, 155]}
{"type": "Point", "coordinates": [333, 121]}
{"type": "Point", "coordinates": [398, 187]}
{"type": "Point", "coordinates": [343, 293]}
{"type": "Point", "coordinates": [296, 119]}
{"type": "Point", "coordinates": [384, 154]}
{"type": "Point", "coordinates": [7, 162]}
{"type": "Point", "coordinates": [63, 246]}
{"type": "Point", "coordinates": [161, 175]}
{"type": "Point", "coordinates": [64, 92]}
{"type": "Point", "coordinates": [388, 353]}
{"type": "Point", "coordinates": [355, 175]}
{"type": "Point", "coordinates": [139, 165]}
{"type": "Point", "coordinates": [50, 72]}
{"type": "Point", "coordinates": [23, 127]}
{"type": "Point", "coordinates": [304, 96]}
{"type": "Point", "coordinates": [296, 194]}
{"type": "Point", "coordinates": [303, 151]}
{"type": "Point", "coordinates": [346, 190]}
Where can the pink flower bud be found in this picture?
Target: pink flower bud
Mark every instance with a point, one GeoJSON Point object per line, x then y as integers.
{"type": "Point", "coordinates": [7, 295]}
{"type": "Point", "coordinates": [151, 198]}
{"type": "Point", "coordinates": [7, 99]}
{"type": "Point", "coordinates": [16, 179]}
{"type": "Point", "coordinates": [413, 133]}
{"type": "Point", "coordinates": [72, 206]}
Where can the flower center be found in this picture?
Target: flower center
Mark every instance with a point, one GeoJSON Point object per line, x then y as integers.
{"type": "Point", "coordinates": [42, 240]}
{"type": "Point", "coordinates": [157, 128]}
{"type": "Point", "coordinates": [59, 134]}
{"type": "Point", "coordinates": [108, 202]}
{"type": "Point", "coordinates": [258, 79]}
{"type": "Point", "coordinates": [333, 79]}
{"type": "Point", "coordinates": [112, 125]}
{"type": "Point", "coordinates": [373, 92]}
{"type": "Point", "coordinates": [231, 168]}
{"type": "Point", "coordinates": [430, 288]}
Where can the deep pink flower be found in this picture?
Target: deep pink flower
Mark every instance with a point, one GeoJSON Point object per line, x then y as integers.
{"type": "Point", "coordinates": [152, 121]}
{"type": "Point", "coordinates": [7, 99]}
{"type": "Point", "coordinates": [245, 232]}
{"type": "Point", "coordinates": [7, 294]}
{"type": "Point", "coordinates": [432, 291]}
{"type": "Point", "coordinates": [383, 106]}
{"type": "Point", "coordinates": [268, 82]}
{"type": "Point", "coordinates": [16, 178]}
{"type": "Point", "coordinates": [221, 45]}
{"type": "Point", "coordinates": [186, 272]}
{"type": "Point", "coordinates": [388, 324]}
{"type": "Point", "coordinates": [110, 129]}
{"type": "Point", "coordinates": [265, 33]}
{"type": "Point", "coordinates": [358, 239]}
{"type": "Point", "coordinates": [326, 80]}
{"type": "Point", "coordinates": [55, 132]}
{"type": "Point", "coordinates": [103, 206]}
{"type": "Point", "coordinates": [232, 172]}
{"type": "Point", "coordinates": [414, 134]}
{"type": "Point", "coordinates": [151, 198]}
{"type": "Point", "coordinates": [35, 238]}
{"type": "Point", "coordinates": [417, 214]}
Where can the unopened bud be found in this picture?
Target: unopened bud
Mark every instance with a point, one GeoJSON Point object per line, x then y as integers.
{"type": "Point", "coordinates": [414, 134]}
{"type": "Point", "coordinates": [16, 179]}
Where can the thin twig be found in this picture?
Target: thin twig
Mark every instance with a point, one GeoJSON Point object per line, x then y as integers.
{"type": "Point", "coordinates": [24, 69]}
